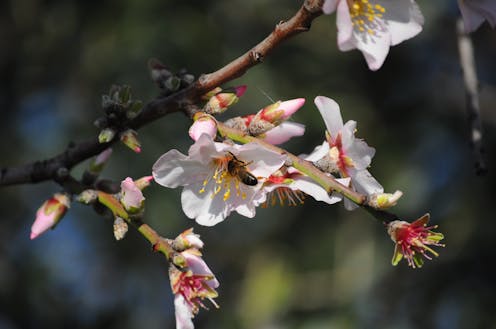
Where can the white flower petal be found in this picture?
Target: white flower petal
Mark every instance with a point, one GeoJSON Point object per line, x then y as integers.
{"type": "Point", "coordinates": [375, 48]}
{"type": "Point", "coordinates": [184, 314]}
{"type": "Point", "coordinates": [284, 132]}
{"type": "Point", "coordinates": [365, 183]}
{"type": "Point", "coordinates": [404, 19]}
{"type": "Point", "coordinates": [474, 12]}
{"type": "Point", "coordinates": [355, 148]}
{"type": "Point", "coordinates": [205, 208]}
{"type": "Point", "coordinates": [308, 186]}
{"type": "Point", "coordinates": [204, 149]}
{"type": "Point", "coordinates": [264, 162]}
{"type": "Point", "coordinates": [346, 40]}
{"type": "Point", "coordinates": [174, 169]}
{"type": "Point", "coordinates": [329, 110]}
{"type": "Point", "coordinates": [318, 153]}
{"type": "Point", "coordinates": [329, 6]}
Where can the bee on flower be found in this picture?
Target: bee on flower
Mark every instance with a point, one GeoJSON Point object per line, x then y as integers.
{"type": "Point", "coordinates": [217, 178]}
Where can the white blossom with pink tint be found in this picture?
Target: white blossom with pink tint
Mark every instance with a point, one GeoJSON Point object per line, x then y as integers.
{"type": "Point", "coordinates": [206, 124]}
{"type": "Point", "coordinates": [190, 287]}
{"type": "Point", "coordinates": [131, 196]}
{"type": "Point", "coordinates": [373, 26]}
{"type": "Point", "coordinates": [349, 156]}
{"type": "Point", "coordinates": [475, 12]}
{"type": "Point", "coordinates": [49, 214]}
{"type": "Point", "coordinates": [213, 188]}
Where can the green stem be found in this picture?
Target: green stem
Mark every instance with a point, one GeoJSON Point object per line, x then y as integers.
{"type": "Point", "coordinates": [159, 243]}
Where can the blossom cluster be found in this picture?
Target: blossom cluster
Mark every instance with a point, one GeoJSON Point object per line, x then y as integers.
{"type": "Point", "coordinates": [219, 177]}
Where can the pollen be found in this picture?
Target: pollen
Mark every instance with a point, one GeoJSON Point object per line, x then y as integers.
{"type": "Point", "coordinates": [221, 182]}
{"type": "Point", "coordinates": [365, 15]}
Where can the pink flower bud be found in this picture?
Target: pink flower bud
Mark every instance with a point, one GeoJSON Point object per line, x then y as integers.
{"type": "Point", "coordinates": [281, 111]}
{"type": "Point", "coordinates": [187, 240]}
{"type": "Point", "coordinates": [49, 214]}
{"type": "Point", "coordinates": [205, 124]}
{"type": "Point", "coordinates": [143, 182]}
{"type": "Point", "coordinates": [131, 196]}
{"type": "Point", "coordinates": [219, 101]}
{"type": "Point", "coordinates": [130, 139]}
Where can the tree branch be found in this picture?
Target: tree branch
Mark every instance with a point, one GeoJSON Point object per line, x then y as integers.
{"type": "Point", "coordinates": [45, 170]}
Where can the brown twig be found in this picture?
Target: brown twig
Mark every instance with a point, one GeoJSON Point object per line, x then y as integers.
{"type": "Point", "coordinates": [45, 170]}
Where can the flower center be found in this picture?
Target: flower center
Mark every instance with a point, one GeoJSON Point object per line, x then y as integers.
{"type": "Point", "coordinates": [225, 180]}
{"type": "Point", "coordinates": [364, 15]}
{"type": "Point", "coordinates": [339, 157]}
{"type": "Point", "coordinates": [194, 288]}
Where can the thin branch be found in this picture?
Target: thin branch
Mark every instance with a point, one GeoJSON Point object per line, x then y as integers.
{"type": "Point", "coordinates": [45, 170]}
{"type": "Point", "coordinates": [467, 63]}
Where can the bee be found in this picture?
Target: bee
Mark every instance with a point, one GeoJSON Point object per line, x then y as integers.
{"type": "Point", "coordinates": [237, 168]}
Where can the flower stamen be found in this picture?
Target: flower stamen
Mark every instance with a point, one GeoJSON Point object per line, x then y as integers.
{"type": "Point", "coordinates": [364, 15]}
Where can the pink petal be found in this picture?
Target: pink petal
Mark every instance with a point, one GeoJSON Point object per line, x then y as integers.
{"type": "Point", "coordinates": [203, 126]}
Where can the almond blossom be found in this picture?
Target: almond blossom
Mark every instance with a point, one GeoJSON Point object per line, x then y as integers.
{"type": "Point", "coordinates": [218, 178]}
{"type": "Point", "coordinates": [342, 153]}
{"type": "Point", "coordinates": [475, 12]}
{"type": "Point", "coordinates": [191, 284]}
{"type": "Point", "coordinates": [372, 26]}
{"type": "Point", "coordinates": [413, 240]}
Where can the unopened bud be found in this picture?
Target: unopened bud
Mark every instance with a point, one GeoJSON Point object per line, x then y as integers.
{"type": "Point", "coordinates": [223, 100]}
{"type": "Point", "coordinates": [131, 197]}
{"type": "Point", "coordinates": [204, 124]}
{"type": "Point", "coordinates": [187, 240]}
{"type": "Point", "coordinates": [120, 228]}
{"type": "Point", "coordinates": [143, 182]}
{"type": "Point", "coordinates": [384, 200]}
{"type": "Point", "coordinates": [49, 214]}
{"type": "Point", "coordinates": [106, 135]}
{"type": "Point", "coordinates": [130, 139]}
{"type": "Point", "coordinates": [281, 111]}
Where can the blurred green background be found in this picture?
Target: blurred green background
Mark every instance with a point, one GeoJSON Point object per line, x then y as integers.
{"type": "Point", "coordinates": [309, 267]}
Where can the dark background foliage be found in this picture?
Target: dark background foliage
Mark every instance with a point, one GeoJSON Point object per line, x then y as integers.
{"type": "Point", "coordinates": [307, 267]}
